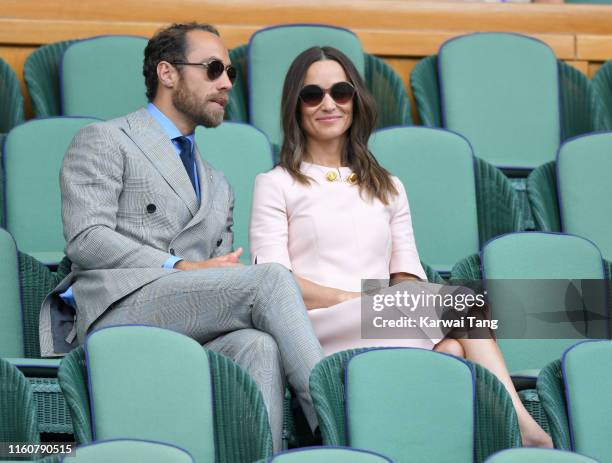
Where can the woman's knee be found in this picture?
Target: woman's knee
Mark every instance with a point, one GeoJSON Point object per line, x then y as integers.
{"type": "Point", "coordinates": [450, 346]}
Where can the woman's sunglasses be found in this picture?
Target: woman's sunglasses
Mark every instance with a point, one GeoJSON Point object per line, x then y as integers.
{"type": "Point", "coordinates": [341, 93]}
{"type": "Point", "coordinates": [214, 69]}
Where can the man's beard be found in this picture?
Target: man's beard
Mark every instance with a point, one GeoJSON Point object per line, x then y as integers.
{"type": "Point", "coordinates": [195, 109]}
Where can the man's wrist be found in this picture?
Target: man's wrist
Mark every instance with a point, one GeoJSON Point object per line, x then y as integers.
{"type": "Point", "coordinates": [171, 262]}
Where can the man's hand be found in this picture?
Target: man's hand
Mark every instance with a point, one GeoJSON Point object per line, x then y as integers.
{"type": "Point", "coordinates": [228, 260]}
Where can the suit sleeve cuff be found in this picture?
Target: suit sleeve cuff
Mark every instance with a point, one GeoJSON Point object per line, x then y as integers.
{"type": "Point", "coordinates": [171, 261]}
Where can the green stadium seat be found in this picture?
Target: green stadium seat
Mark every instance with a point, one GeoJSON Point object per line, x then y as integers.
{"type": "Point", "coordinates": [155, 384]}
{"type": "Point", "coordinates": [583, 170]}
{"type": "Point", "coordinates": [453, 209]}
{"type": "Point", "coordinates": [125, 451]}
{"type": "Point", "coordinates": [575, 180]}
{"type": "Point", "coordinates": [602, 86]}
{"type": "Point", "coordinates": [241, 152]}
{"type": "Point", "coordinates": [392, 401]}
{"type": "Point", "coordinates": [542, 194]}
{"type": "Point", "coordinates": [267, 58]}
{"type": "Point", "coordinates": [18, 422]}
{"type": "Point", "coordinates": [41, 73]}
{"type": "Point", "coordinates": [544, 100]}
{"type": "Point", "coordinates": [32, 156]}
{"type": "Point", "coordinates": [11, 100]}
{"type": "Point", "coordinates": [328, 455]}
{"type": "Point", "coordinates": [102, 77]}
{"type": "Point", "coordinates": [513, 125]}
{"type": "Point", "coordinates": [538, 456]}
{"type": "Point", "coordinates": [11, 326]}
{"type": "Point", "coordinates": [271, 52]}
{"type": "Point", "coordinates": [575, 392]}
{"type": "Point", "coordinates": [520, 270]}
{"type": "Point", "coordinates": [24, 282]}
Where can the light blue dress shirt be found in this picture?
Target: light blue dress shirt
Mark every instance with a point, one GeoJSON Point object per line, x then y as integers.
{"type": "Point", "coordinates": [172, 132]}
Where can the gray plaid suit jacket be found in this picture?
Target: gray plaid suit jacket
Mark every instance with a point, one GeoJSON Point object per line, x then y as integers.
{"type": "Point", "coordinates": [127, 206]}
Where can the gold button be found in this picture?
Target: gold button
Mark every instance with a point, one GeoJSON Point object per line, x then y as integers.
{"type": "Point", "coordinates": [331, 176]}
{"type": "Point", "coordinates": [352, 179]}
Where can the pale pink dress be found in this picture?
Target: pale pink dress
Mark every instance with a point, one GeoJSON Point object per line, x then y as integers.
{"type": "Point", "coordinates": [329, 234]}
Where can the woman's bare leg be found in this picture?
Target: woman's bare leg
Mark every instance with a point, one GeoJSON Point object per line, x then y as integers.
{"type": "Point", "coordinates": [486, 353]}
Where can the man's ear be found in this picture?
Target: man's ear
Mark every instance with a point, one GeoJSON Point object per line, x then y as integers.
{"type": "Point", "coordinates": [167, 75]}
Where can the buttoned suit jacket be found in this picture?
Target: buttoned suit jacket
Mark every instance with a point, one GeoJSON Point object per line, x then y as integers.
{"type": "Point", "coordinates": [127, 206]}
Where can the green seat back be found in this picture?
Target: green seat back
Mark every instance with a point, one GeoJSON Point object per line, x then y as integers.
{"type": "Point", "coordinates": [11, 100]}
{"type": "Point", "coordinates": [102, 77]}
{"type": "Point", "coordinates": [41, 74]}
{"type": "Point", "coordinates": [33, 156]}
{"type": "Point", "coordinates": [153, 384]}
{"type": "Point", "coordinates": [527, 276]}
{"type": "Point", "coordinates": [501, 92]}
{"type": "Point", "coordinates": [437, 170]}
{"type": "Point", "coordinates": [532, 455]}
{"type": "Point", "coordinates": [271, 52]}
{"type": "Point", "coordinates": [11, 322]}
{"type": "Point", "coordinates": [18, 417]}
{"type": "Point", "coordinates": [329, 455]}
{"type": "Point", "coordinates": [584, 167]}
{"type": "Point", "coordinates": [128, 451]}
{"type": "Point", "coordinates": [241, 152]}
{"type": "Point", "coordinates": [602, 88]}
{"type": "Point", "coordinates": [397, 398]}
{"type": "Point", "coordinates": [588, 382]}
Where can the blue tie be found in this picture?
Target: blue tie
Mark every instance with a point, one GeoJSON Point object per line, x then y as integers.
{"type": "Point", "coordinates": [186, 155]}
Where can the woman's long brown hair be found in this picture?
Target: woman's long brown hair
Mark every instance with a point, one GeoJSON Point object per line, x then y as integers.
{"type": "Point", "coordinates": [373, 179]}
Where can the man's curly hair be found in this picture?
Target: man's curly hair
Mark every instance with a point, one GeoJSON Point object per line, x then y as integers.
{"type": "Point", "coordinates": [170, 45]}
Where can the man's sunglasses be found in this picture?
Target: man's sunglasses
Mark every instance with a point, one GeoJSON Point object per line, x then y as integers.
{"type": "Point", "coordinates": [341, 93]}
{"type": "Point", "coordinates": [214, 69]}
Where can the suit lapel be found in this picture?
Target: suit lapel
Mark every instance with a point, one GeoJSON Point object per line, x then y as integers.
{"type": "Point", "coordinates": [150, 138]}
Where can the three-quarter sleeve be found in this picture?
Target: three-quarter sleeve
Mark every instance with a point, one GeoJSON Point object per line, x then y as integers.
{"type": "Point", "coordinates": [404, 254]}
{"type": "Point", "coordinates": [268, 231]}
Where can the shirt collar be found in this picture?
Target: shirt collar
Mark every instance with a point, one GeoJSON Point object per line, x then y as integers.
{"type": "Point", "coordinates": [167, 125]}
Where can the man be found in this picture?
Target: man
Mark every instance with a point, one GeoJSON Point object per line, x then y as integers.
{"type": "Point", "coordinates": [148, 230]}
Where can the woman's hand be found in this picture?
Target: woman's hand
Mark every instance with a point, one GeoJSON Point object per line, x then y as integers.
{"type": "Point", "coordinates": [317, 296]}
{"type": "Point", "coordinates": [347, 295]}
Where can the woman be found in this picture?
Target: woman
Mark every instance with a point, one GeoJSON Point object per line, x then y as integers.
{"type": "Point", "coordinates": [331, 214]}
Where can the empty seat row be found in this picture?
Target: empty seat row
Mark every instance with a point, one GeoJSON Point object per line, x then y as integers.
{"type": "Point", "coordinates": [80, 67]}
{"type": "Point", "coordinates": [544, 100]}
